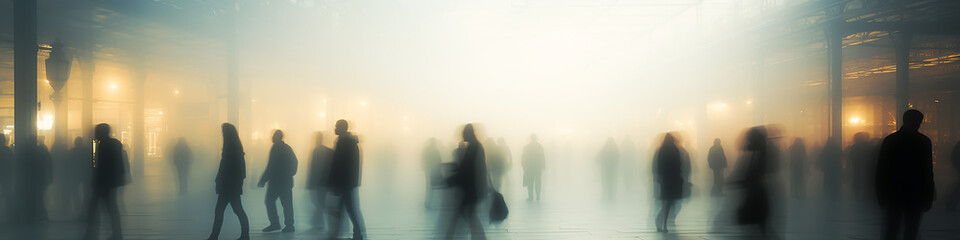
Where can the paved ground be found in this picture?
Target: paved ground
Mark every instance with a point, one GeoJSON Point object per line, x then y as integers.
{"type": "Point", "coordinates": [571, 211]}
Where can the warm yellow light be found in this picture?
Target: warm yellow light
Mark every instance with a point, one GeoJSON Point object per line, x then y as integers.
{"type": "Point", "coordinates": [322, 114]}
{"type": "Point", "coordinates": [857, 120]}
{"type": "Point", "coordinates": [363, 103]}
{"type": "Point", "coordinates": [176, 91]}
{"type": "Point", "coordinates": [113, 86]}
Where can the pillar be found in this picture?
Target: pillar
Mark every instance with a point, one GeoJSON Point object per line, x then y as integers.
{"type": "Point", "coordinates": [835, 72]}
{"type": "Point", "coordinates": [25, 74]}
{"type": "Point", "coordinates": [87, 68]}
{"type": "Point", "coordinates": [902, 41]}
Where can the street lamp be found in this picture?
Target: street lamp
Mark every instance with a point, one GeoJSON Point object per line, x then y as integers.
{"type": "Point", "coordinates": [58, 71]}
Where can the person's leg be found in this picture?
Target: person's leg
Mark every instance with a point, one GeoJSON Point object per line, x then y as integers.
{"type": "Point", "coordinates": [891, 223]}
{"type": "Point", "coordinates": [352, 201]}
{"type": "Point", "coordinates": [538, 183]}
{"type": "Point", "coordinates": [286, 200]}
{"type": "Point", "coordinates": [318, 197]}
{"type": "Point", "coordinates": [336, 211]}
{"type": "Point", "coordinates": [218, 217]}
{"type": "Point", "coordinates": [114, 210]}
{"type": "Point", "coordinates": [911, 224]}
{"type": "Point", "coordinates": [182, 179]}
{"type": "Point", "coordinates": [665, 214]}
{"type": "Point", "coordinates": [93, 216]}
{"type": "Point", "coordinates": [270, 200]}
{"type": "Point", "coordinates": [476, 228]}
{"type": "Point", "coordinates": [528, 178]}
{"type": "Point", "coordinates": [237, 206]}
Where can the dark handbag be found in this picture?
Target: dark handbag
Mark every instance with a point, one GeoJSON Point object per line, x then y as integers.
{"type": "Point", "coordinates": [498, 208]}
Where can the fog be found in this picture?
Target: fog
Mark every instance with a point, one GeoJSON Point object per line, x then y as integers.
{"type": "Point", "coordinates": [627, 100]}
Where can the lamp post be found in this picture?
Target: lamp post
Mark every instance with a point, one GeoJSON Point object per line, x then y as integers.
{"type": "Point", "coordinates": [58, 71]}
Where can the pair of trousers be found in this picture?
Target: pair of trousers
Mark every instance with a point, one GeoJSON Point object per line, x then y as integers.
{"type": "Point", "coordinates": [107, 197]}
{"type": "Point", "coordinates": [286, 201]}
{"type": "Point", "coordinates": [348, 202]}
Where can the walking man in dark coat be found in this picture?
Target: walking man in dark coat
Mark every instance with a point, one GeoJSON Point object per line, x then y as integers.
{"type": "Point", "coordinates": [904, 178]}
{"type": "Point", "coordinates": [281, 166]}
{"type": "Point", "coordinates": [533, 162]}
{"type": "Point", "coordinates": [717, 160]}
{"type": "Point", "coordinates": [109, 173]}
{"type": "Point", "coordinates": [345, 179]}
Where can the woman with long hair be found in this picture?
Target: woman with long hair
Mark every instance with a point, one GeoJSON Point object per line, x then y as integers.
{"type": "Point", "coordinates": [230, 182]}
{"type": "Point", "coordinates": [668, 169]}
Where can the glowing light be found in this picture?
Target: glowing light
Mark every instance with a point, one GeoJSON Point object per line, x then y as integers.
{"type": "Point", "coordinates": [322, 114]}
{"type": "Point", "coordinates": [718, 106]}
{"type": "Point", "coordinates": [113, 86]}
{"type": "Point", "coordinates": [749, 102]}
{"type": "Point", "coordinates": [363, 103]}
{"type": "Point", "coordinates": [161, 112]}
{"type": "Point", "coordinates": [856, 120]}
{"type": "Point", "coordinates": [45, 123]}
{"type": "Point", "coordinates": [176, 91]}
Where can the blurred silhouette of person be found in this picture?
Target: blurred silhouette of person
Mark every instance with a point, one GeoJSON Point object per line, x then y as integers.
{"type": "Point", "coordinates": [533, 162]}
{"type": "Point", "coordinates": [469, 179]}
{"type": "Point", "coordinates": [345, 179]}
{"type": "Point", "coordinates": [609, 158]}
{"type": "Point", "coordinates": [496, 163]}
{"type": "Point", "coordinates": [37, 175]}
{"type": "Point", "coordinates": [798, 159]}
{"type": "Point", "coordinates": [954, 198]}
{"type": "Point", "coordinates": [831, 166]}
{"type": "Point", "coordinates": [860, 160]}
{"type": "Point", "coordinates": [507, 157]}
{"type": "Point", "coordinates": [79, 165]}
{"type": "Point", "coordinates": [109, 174]}
{"type": "Point", "coordinates": [317, 180]}
{"type": "Point", "coordinates": [229, 182]}
{"type": "Point", "coordinates": [668, 170]}
{"type": "Point", "coordinates": [281, 166]}
{"type": "Point", "coordinates": [904, 178]}
{"type": "Point", "coordinates": [430, 162]}
{"type": "Point", "coordinates": [182, 158]}
{"type": "Point", "coordinates": [754, 208]}
{"type": "Point", "coordinates": [6, 176]}
{"type": "Point", "coordinates": [717, 160]}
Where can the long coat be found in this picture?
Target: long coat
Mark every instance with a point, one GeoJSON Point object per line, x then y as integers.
{"type": "Point", "coordinates": [109, 170]}
{"type": "Point", "coordinates": [470, 175]}
{"type": "Point", "coordinates": [233, 169]}
{"type": "Point", "coordinates": [905, 171]}
{"type": "Point", "coordinates": [668, 167]}
{"type": "Point", "coordinates": [345, 168]}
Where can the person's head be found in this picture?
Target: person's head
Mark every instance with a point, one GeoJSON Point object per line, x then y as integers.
{"type": "Point", "coordinates": [340, 127]}
{"type": "Point", "coordinates": [432, 142]}
{"type": "Point", "coordinates": [669, 140]}
{"type": "Point", "coordinates": [101, 131]}
{"type": "Point", "coordinates": [181, 140]}
{"type": "Point", "coordinates": [229, 132]}
{"type": "Point", "coordinates": [756, 138]}
{"type": "Point", "coordinates": [533, 138]}
{"type": "Point", "coordinates": [861, 137]}
{"type": "Point", "coordinates": [912, 120]}
{"type": "Point", "coordinates": [277, 136]}
{"type": "Point", "coordinates": [798, 141]}
{"type": "Point", "coordinates": [319, 138]}
{"type": "Point", "coordinates": [468, 133]}
{"type": "Point", "coordinates": [500, 141]}
{"type": "Point", "coordinates": [76, 142]}
{"type": "Point", "coordinates": [716, 141]}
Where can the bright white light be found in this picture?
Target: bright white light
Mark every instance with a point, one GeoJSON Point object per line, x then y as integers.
{"type": "Point", "coordinates": [363, 103]}
{"type": "Point", "coordinates": [322, 114]}
{"type": "Point", "coordinates": [113, 86]}
{"type": "Point", "coordinates": [176, 91]}
{"type": "Point", "coordinates": [161, 113]}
